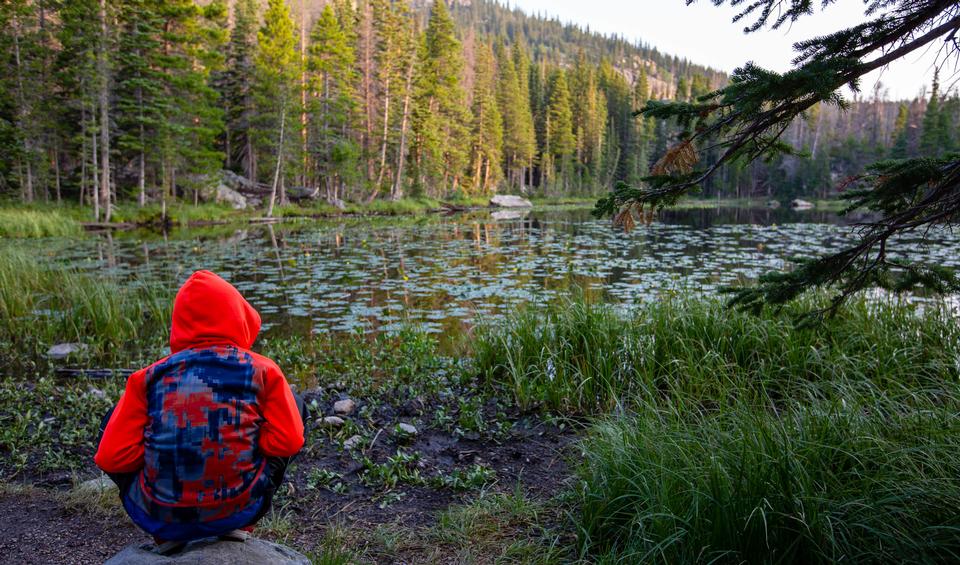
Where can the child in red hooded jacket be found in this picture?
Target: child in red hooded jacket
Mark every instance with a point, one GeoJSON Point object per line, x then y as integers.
{"type": "Point", "coordinates": [200, 440]}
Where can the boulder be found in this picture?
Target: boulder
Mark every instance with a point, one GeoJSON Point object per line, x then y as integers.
{"type": "Point", "coordinates": [799, 204]}
{"type": "Point", "coordinates": [344, 407]}
{"type": "Point", "coordinates": [773, 204]}
{"type": "Point", "coordinates": [213, 552]}
{"type": "Point", "coordinates": [237, 182]}
{"type": "Point", "coordinates": [64, 350]}
{"type": "Point", "coordinates": [506, 215]}
{"type": "Point", "coordinates": [226, 194]}
{"type": "Point", "coordinates": [510, 201]}
{"type": "Point", "coordinates": [297, 193]}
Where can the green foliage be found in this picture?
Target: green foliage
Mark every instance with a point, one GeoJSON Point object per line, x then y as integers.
{"type": "Point", "coordinates": [863, 479]}
{"type": "Point", "coordinates": [42, 304]}
{"type": "Point", "coordinates": [37, 223]}
{"type": "Point", "coordinates": [578, 357]}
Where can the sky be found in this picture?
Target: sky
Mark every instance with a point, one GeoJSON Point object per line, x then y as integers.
{"type": "Point", "coordinates": [705, 34]}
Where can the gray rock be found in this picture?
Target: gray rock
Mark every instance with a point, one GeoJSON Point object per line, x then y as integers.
{"type": "Point", "coordinates": [510, 201]}
{"type": "Point", "coordinates": [406, 429]}
{"type": "Point", "coordinates": [352, 442]}
{"type": "Point", "coordinates": [231, 197]}
{"type": "Point", "coordinates": [344, 407]}
{"type": "Point", "coordinates": [333, 422]}
{"type": "Point", "coordinates": [773, 204]}
{"type": "Point", "coordinates": [64, 350]}
{"type": "Point", "coordinates": [799, 204]}
{"type": "Point", "coordinates": [504, 215]}
{"type": "Point", "coordinates": [213, 552]}
{"type": "Point", "coordinates": [98, 485]}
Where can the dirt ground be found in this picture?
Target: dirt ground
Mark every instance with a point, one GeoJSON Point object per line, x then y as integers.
{"type": "Point", "coordinates": [37, 527]}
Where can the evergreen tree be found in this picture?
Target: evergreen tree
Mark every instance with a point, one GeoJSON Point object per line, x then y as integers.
{"type": "Point", "coordinates": [487, 129]}
{"type": "Point", "coordinates": [236, 90]}
{"type": "Point", "coordinates": [276, 92]}
{"type": "Point", "coordinates": [560, 141]}
{"type": "Point", "coordinates": [746, 120]}
{"type": "Point", "coordinates": [440, 115]}
{"type": "Point", "coordinates": [333, 156]}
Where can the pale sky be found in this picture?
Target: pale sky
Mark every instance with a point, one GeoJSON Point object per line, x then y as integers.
{"type": "Point", "coordinates": [704, 34]}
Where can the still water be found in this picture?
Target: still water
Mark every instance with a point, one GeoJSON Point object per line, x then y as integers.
{"type": "Point", "coordinates": [444, 272]}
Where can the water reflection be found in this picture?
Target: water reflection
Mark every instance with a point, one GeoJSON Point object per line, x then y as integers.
{"type": "Point", "coordinates": [446, 271]}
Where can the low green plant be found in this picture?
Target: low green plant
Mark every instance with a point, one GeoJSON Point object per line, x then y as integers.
{"type": "Point", "coordinates": [580, 357]}
{"type": "Point", "coordinates": [868, 479]}
{"type": "Point", "coordinates": [42, 304]}
{"type": "Point", "coordinates": [24, 223]}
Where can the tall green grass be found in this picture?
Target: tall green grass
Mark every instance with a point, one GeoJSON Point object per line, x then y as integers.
{"type": "Point", "coordinates": [17, 223]}
{"type": "Point", "coordinates": [865, 480]}
{"type": "Point", "coordinates": [42, 304]}
{"type": "Point", "coordinates": [579, 357]}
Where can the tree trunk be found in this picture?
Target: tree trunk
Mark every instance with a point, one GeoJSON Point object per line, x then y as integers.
{"type": "Point", "coordinates": [95, 181]}
{"type": "Point", "coordinates": [26, 184]}
{"type": "Point", "coordinates": [396, 193]}
{"type": "Point", "coordinates": [276, 172]}
{"type": "Point", "coordinates": [104, 115]}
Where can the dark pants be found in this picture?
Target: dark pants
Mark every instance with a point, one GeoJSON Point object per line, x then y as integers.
{"type": "Point", "coordinates": [276, 467]}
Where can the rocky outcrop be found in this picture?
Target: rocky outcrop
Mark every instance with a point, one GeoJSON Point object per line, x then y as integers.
{"type": "Point", "coordinates": [510, 201]}
{"type": "Point", "coordinates": [213, 552]}
{"type": "Point", "coordinates": [799, 204]}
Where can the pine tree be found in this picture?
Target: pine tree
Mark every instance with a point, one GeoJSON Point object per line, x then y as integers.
{"type": "Point", "coordinates": [746, 120]}
{"type": "Point", "coordinates": [560, 141]}
{"type": "Point", "coordinates": [487, 129]}
{"type": "Point", "coordinates": [276, 93]}
{"type": "Point", "coordinates": [141, 106]}
{"type": "Point", "coordinates": [236, 90]}
{"type": "Point", "coordinates": [332, 106]}
{"type": "Point", "coordinates": [394, 58]}
{"type": "Point", "coordinates": [900, 147]}
{"type": "Point", "coordinates": [933, 133]}
{"type": "Point", "coordinates": [440, 115]}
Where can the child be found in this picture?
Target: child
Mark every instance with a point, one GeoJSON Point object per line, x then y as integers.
{"type": "Point", "coordinates": [200, 440]}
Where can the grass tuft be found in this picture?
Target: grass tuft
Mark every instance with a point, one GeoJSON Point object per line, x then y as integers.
{"type": "Point", "coordinates": [15, 223]}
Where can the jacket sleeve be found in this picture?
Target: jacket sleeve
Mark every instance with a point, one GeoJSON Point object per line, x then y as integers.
{"type": "Point", "coordinates": [121, 447]}
{"type": "Point", "coordinates": [281, 435]}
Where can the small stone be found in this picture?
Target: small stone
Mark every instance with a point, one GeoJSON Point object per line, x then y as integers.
{"type": "Point", "coordinates": [406, 429]}
{"type": "Point", "coordinates": [97, 485]}
{"type": "Point", "coordinates": [352, 442]}
{"type": "Point", "coordinates": [333, 422]}
{"type": "Point", "coordinates": [64, 350]}
{"type": "Point", "coordinates": [213, 552]}
{"type": "Point", "coordinates": [344, 407]}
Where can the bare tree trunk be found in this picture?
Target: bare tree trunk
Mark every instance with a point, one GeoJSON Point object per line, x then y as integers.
{"type": "Point", "coordinates": [26, 185]}
{"type": "Point", "coordinates": [95, 181]}
{"type": "Point", "coordinates": [104, 115]}
{"type": "Point", "coordinates": [276, 172]}
{"type": "Point", "coordinates": [141, 173]}
{"type": "Point", "coordinates": [303, 94]}
{"type": "Point", "coordinates": [56, 171]}
{"type": "Point", "coordinates": [396, 192]}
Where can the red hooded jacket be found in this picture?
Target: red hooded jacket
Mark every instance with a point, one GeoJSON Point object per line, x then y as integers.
{"type": "Point", "coordinates": [198, 424]}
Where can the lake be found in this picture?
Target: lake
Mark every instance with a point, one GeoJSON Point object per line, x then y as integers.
{"type": "Point", "coordinates": [444, 273]}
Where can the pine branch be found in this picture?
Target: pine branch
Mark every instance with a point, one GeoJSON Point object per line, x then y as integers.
{"type": "Point", "coordinates": [747, 118]}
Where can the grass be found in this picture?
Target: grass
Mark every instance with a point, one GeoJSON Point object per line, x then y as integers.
{"type": "Point", "coordinates": [867, 480]}
{"type": "Point", "coordinates": [579, 357]}
{"type": "Point", "coordinates": [15, 223]}
{"type": "Point", "coordinates": [42, 304]}
{"type": "Point", "coordinates": [724, 437]}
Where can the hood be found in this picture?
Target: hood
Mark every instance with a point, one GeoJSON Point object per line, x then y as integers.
{"type": "Point", "coordinates": [210, 311]}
